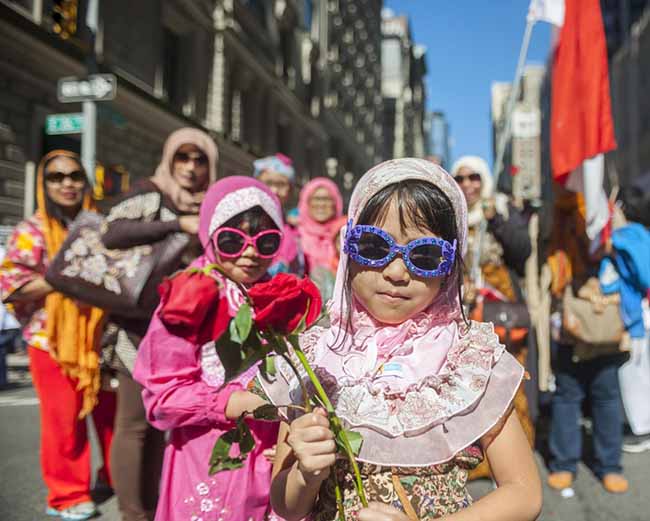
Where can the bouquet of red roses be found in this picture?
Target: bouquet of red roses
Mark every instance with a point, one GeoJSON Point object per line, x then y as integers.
{"type": "Point", "coordinates": [267, 324]}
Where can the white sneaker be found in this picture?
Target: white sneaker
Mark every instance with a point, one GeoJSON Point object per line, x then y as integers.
{"type": "Point", "coordinates": [637, 447]}
{"type": "Point", "coordinates": [79, 512]}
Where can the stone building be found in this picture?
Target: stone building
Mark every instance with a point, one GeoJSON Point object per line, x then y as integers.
{"type": "Point", "coordinates": [521, 174]}
{"type": "Point", "coordinates": [301, 78]}
{"type": "Point", "coordinates": [403, 89]}
{"type": "Point", "coordinates": [296, 76]}
{"type": "Point", "coordinates": [629, 69]}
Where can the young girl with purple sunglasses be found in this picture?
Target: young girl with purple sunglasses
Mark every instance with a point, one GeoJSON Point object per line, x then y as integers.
{"type": "Point", "coordinates": [430, 392]}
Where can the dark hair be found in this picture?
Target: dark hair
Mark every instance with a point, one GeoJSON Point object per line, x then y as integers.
{"type": "Point", "coordinates": [256, 218]}
{"type": "Point", "coordinates": [53, 209]}
{"type": "Point", "coordinates": [420, 204]}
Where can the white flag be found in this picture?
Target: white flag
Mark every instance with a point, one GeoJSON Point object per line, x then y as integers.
{"type": "Point", "coordinates": [588, 178]}
{"type": "Point", "coordinates": [551, 11]}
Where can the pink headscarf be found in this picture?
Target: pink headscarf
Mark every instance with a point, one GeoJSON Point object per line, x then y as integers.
{"type": "Point", "coordinates": [420, 344]}
{"type": "Point", "coordinates": [317, 237]}
{"type": "Point", "coordinates": [230, 196]}
{"type": "Point", "coordinates": [184, 200]}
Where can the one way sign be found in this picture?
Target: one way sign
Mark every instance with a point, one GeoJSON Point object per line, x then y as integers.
{"type": "Point", "coordinates": [96, 87]}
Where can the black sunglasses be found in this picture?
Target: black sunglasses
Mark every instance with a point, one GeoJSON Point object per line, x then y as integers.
{"type": "Point", "coordinates": [473, 177]}
{"type": "Point", "coordinates": [76, 176]}
{"type": "Point", "coordinates": [184, 157]}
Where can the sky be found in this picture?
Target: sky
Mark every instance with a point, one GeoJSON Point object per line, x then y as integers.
{"type": "Point", "coordinates": [470, 44]}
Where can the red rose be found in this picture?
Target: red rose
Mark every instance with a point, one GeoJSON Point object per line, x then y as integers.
{"type": "Point", "coordinates": [280, 303]}
{"type": "Point", "coordinates": [191, 307]}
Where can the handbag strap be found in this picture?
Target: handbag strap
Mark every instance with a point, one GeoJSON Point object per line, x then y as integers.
{"type": "Point", "coordinates": [403, 496]}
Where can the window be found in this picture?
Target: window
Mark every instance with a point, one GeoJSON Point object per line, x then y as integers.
{"type": "Point", "coordinates": [258, 8]}
{"type": "Point", "coordinates": [172, 67]}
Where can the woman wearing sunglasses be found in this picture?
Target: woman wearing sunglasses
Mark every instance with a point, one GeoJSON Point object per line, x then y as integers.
{"type": "Point", "coordinates": [182, 376]}
{"type": "Point", "coordinates": [61, 335]}
{"type": "Point", "coordinates": [430, 393]}
{"type": "Point", "coordinates": [166, 203]}
{"type": "Point", "coordinates": [498, 246]}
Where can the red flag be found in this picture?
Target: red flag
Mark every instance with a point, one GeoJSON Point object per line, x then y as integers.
{"type": "Point", "coordinates": [581, 115]}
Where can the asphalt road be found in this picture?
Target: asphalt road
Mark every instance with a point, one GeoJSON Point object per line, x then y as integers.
{"type": "Point", "coordinates": [22, 493]}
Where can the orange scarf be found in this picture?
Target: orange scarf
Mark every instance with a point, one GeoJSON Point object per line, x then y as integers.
{"type": "Point", "coordinates": [73, 330]}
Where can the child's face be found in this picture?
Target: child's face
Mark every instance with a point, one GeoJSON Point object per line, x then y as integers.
{"type": "Point", "coordinates": [249, 267]}
{"type": "Point", "coordinates": [393, 294]}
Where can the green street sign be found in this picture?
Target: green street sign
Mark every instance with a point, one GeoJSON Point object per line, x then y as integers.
{"type": "Point", "coordinates": [72, 123]}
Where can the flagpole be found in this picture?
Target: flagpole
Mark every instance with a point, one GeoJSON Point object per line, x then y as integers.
{"type": "Point", "coordinates": [512, 99]}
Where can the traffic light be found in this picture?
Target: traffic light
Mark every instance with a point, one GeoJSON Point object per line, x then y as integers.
{"type": "Point", "coordinates": [64, 15]}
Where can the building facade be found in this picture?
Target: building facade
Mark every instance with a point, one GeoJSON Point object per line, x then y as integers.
{"type": "Point", "coordinates": [630, 83]}
{"type": "Point", "coordinates": [296, 76]}
{"type": "Point", "coordinates": [521, 174]}
{"type": "Point", "coordinates": [439, 138]}
{"type": "Point", "coordinates": [403, 89]}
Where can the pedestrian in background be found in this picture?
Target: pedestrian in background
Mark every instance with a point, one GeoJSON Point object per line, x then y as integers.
{"type": "Point", "coordinates": [581, 369]}
{"type": "Point", "coordinates": [164, 204]}
{"type": "Point", "coordinates": [278, 174]}
{"type": "Point", "coordinates": [319, 206]}
{"type": "Point", "coordinates": [9, 332]}
{"type": "Point", "coordinates": [498, 246]}
{"type": "Point", "coordinates": [62, 337]}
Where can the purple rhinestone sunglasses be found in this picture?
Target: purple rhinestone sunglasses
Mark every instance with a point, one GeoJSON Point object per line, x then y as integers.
{"type": "Point", "coordinates": [426, 257]}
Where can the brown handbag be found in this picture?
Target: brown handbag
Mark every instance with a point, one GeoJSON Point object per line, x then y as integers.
{"type": "Point", "coordinates": [591, 321]}
{"type": "Point", "coordinates": [124, 282]}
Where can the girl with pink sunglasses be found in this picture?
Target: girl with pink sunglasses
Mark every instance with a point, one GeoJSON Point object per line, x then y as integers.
{"type": "Point", "coordinates": [239, 227]}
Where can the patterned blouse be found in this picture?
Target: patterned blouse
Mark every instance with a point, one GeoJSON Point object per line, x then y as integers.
{"type": "Point", "coordinates": [431, 492]}
{"type": "Point", "coordinates": [26, 259]}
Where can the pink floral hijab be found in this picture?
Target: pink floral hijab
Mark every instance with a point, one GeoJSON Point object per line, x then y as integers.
{"type": "Point", "coordinates": [409, 388]}
{"type": "Point", "coordinates": [317, 237]}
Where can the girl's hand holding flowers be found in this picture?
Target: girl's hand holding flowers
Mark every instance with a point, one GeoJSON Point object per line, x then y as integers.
{"type": "Point", "coordinates": [313, 445]}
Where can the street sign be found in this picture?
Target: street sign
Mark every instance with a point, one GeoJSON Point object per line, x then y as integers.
{"type": "Point", "coordinates": [64, 123]}
{"type": "Point", "coordinates": [96, 87]}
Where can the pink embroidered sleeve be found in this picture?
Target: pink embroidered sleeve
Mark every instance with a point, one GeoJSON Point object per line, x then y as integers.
{"type": "Point", "coordinates": [175, 395]}
{"type": "Point", "coordinates": [25, 259]}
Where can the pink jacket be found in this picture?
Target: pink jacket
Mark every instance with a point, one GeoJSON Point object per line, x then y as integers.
{"type": "Point", "coordinates": [180, 394]}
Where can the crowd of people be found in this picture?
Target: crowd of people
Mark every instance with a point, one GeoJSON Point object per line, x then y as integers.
{"type": "Point", "coordinates": [427, 339]}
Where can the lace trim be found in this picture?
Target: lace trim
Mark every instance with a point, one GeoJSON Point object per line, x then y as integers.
{"type": "Point", "coordinates": [143, 206]}
{"type": "Point", "coordinates": [429, 402]}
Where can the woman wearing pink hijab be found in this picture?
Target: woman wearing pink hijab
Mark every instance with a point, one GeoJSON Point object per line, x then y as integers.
{"type": "Point", "coordinates": [319, 207]}
{"type": "Point", "coordinates": [164, 204]}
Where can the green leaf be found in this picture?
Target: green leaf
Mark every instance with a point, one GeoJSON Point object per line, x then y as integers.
{"type": "Point", "coordinates": [354, 439]}
{"type": "Point", "coordinates": [220, 458]}
{"type": "Point", "coordinates": [247, 442]}
{"type": "Point", "coordinates": [266, 412]}
{"type": "Point", "coordinates": [243, 323]}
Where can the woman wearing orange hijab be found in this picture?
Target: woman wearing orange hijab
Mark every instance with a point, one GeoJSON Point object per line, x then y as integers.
{"type": "Point", "coordinates": [62, 336]}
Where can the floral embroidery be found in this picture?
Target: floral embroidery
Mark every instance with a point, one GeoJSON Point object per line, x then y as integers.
{"type": "Point", "coordinates": [143, 206]}
{"type": "Point", "coordinates": [87, 259]}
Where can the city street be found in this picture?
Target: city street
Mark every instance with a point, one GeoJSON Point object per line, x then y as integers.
{"type": "Point", "coordinates": [22, 494]}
